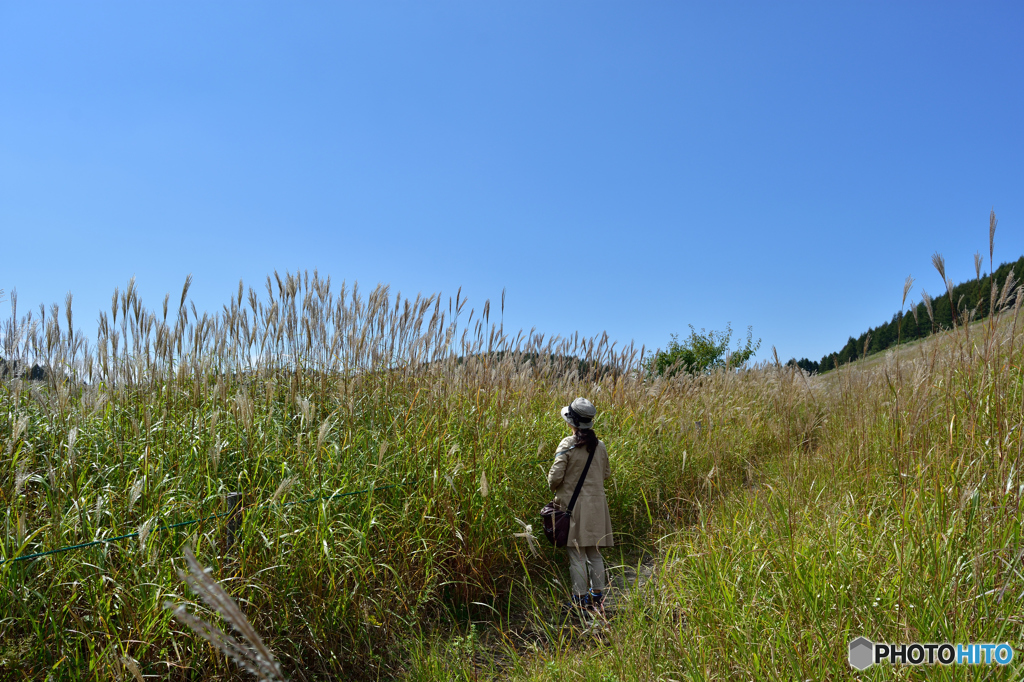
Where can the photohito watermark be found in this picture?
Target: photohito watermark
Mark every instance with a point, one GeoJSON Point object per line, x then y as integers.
{"type": "Point", "coordinates": [864, 653]}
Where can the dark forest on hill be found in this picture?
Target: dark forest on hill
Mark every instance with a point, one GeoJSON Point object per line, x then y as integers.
{"type": "Point", "coordinates": [932, 314]}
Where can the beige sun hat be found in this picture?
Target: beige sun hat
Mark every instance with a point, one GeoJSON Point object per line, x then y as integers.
{"type": "Point", "coordinates": [580, 413]}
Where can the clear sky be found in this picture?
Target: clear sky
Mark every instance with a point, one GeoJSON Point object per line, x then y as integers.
{"type": "Point", "coordinates": [622, 166]}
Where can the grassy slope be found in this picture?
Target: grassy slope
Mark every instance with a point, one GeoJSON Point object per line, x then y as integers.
{"type": "Point", "coordinates": [792, 515]}
{"type": "Point", "coordinates": [909, 348]}
{"type": "Point", "coordinates": [153, 432]}
{"type": "Point", "coordinates": [894, 515]}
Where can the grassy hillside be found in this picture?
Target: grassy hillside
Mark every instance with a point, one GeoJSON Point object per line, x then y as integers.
{"type": "Point", "coordinates": [954, 306]}
{"type": "Point", "coordinates": [786, 515]}
{"type": "Point", "coordinates": [301, 394]}
{"type": "Point", "coordinates": [895, 515]}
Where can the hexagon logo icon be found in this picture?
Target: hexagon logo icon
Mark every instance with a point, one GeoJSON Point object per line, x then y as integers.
{"type": "Point", "coordinates": [860, 653]}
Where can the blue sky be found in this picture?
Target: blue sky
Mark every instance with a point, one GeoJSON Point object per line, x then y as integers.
{"type": "Point", "coordinates": [629, 167]}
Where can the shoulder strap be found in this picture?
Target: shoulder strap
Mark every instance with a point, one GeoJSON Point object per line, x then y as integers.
{"type": "Point", "coordinates": [579, 483]}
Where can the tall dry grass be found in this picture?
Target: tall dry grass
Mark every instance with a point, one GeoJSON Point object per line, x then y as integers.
{"type": "Point", "coordinates": [304, 391]}
{"type": "Point", "coordinates": [893, 513]}
{"type": "Point", "coordinates": [793, 512]}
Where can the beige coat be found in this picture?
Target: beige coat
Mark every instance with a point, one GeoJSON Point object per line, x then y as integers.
{"type": "Point", "coordinates": [591, 523]}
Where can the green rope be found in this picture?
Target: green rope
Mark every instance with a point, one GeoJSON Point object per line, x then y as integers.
{"type": "Point", "coordinates": [180, 524]}
{"type": "Point", "coordinates": [103, 541]}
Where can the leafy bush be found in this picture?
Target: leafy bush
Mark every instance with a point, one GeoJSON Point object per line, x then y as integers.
{"type": "Point", "coordinates": [702, 352]}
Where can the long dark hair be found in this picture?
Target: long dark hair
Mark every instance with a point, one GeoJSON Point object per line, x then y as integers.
{"type": "Point", "coordinates": [588, 438]}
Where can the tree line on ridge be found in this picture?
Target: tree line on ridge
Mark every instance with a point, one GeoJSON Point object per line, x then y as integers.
{"type": "Point", "coordinates": [931, 315]}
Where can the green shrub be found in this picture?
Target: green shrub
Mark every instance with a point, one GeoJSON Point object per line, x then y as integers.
{"type": "Point", "coordinates": [702, 352]}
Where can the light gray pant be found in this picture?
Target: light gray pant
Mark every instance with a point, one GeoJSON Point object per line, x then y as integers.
{"type": "Point", "coordinates": [578, 560]}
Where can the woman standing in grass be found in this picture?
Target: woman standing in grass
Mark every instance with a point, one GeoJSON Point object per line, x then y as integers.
{"type": "Point", "coordinates": [591, 524]}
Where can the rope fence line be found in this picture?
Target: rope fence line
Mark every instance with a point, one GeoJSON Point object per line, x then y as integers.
{"type": "Point", "coordinates": [182, 524]}
{"type": "Point", "coordinates": [103, 541]}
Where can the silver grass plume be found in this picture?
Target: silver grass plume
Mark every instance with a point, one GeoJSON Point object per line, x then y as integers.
{"type": "Point", "coordinates": [252, 654]}
{"type": "Point", "coordinates": [144, 531]}
{"type": "Point", "coordinates": [97, 511]}
{"type": "Point", "coordinates": [1009, 288]}
{"type": "Point", "coordinates": [992, 223]}
{"type": "Point", "coordinates": [993, 294]}
{"type": "Point", "coordinates": [325, 428]}
{"type": "Point", "coordinates": [304, 407]}
{"type": "Point", "coordinates": [977, 265]}
{"type": "Point", "coordinates": [527, 535]}
{"type": "Point", "coordinates": [20, 425]}
{"type": "Point", "coordinates": [101, 401]}
{"type": "Point", "coordinates": [132, 668]}
{"type": "Point", "coordinates": [20, 476]}
{"type": "Point", "coordinates": [928, 304]}
{"type": "Point", "coordinates": [184, 291]}
{"type": "Point", "coordinates": [135, 493]}
{"type": "Point", "coordinates": [243, 408]}
{"type": "Point", "coordinates": [283, 489]}
{"type": "Point", "coordinates": [940, 264]}
{"type": "Point", "coordinates": [214, 455]}
{"type": "Point", "coordinates": [72, 437]}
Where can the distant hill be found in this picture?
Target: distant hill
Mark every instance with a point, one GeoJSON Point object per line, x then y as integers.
{"type": "Point", "coordinates": [920, 321]}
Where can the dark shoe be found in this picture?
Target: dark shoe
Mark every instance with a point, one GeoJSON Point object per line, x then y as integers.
{"type": "Point", "coordinates": [579, 603]}
{"type": "Point", "coordinates": [596, 601]}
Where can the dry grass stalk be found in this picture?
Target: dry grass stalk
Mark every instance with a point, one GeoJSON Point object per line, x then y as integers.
{"type": "Point", "coordinates": [20, 424]}
{"type": "Point", "coordinates": [1009, 293]}
{"type": "Point", "coordinates": [907, 286]}
{"type": "Point", "coordinates": [253, 654]}
{"type": "Point", "coordinates": [992, 224]}
{"type": "Point", "coordinates": [21, 475]}
{"type": "Point", "coordinates": [528, 535]}
{"type": "Point", "coordinates": [133, 668]}
{"type": "Point", "coordinates": [214, 455]}
{"type": "Point", "coordinates": [135, 492]}
{"type": "Point", "coordinates": [928, 305]}
{"type": "Point", "coordinates": [282, 489]}
{"type": "Point", "coordinates": [144, 530]}
{"type": "Point", "coordinates": [940, 265]}
{"type": "Point", "coordinates": [325, 428]}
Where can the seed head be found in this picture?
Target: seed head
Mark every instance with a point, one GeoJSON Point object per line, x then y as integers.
{"type": "Point", "coordinates": [907, 286]}
{"type": "Point", "coordinates": [940, 264]}
{"type": "Point", "coordinates": [992, 223]}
